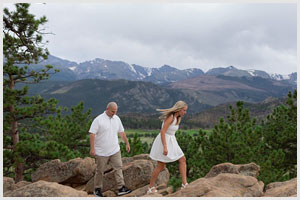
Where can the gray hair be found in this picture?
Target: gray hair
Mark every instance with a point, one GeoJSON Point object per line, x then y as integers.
{"type": "Point", "coordinates": [112, 104]}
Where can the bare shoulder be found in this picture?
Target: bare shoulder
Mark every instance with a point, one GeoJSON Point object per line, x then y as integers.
{"type": "Point", "coordinates": [169, 119]}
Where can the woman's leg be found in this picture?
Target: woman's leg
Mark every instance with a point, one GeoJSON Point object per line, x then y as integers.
{"type": "Point", "coordinates": [182, 169]}
{"type": "Point", "coordinates": [160, 166]}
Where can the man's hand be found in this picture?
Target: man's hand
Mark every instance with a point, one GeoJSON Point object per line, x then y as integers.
{"type": "Point", "coordinates": [124, 138]}
{"type": "Point", "coordinates": [128, 147]}
{"type": "Point", "coordinates": [92, 152]}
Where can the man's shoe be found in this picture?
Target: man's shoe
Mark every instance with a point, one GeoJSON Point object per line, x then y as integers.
{"type": "Point", "coordinates": [123, 190]}
{"type": "Point", "coordinates": [98, 192]}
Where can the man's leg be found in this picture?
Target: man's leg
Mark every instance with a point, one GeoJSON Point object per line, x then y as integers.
{"type": "Point", "coordinates": [101, 162]}
{"type": "Point", "coordinates": [116, 162]}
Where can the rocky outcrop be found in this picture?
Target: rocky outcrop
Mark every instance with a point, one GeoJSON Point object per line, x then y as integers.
{"type": "Point", "coordinates": [282, 189]}
{"type": "Point", "coordinates": [76, 179]}
{"type": "Point", "coordinates": [45, 189]}
{"type": "Point", "coordinates": [136, 175]}
{"type": "Point", "coordinates": [226, 180]}
{"type": "Point", "coordinates": [74, 171]}
{"type": "Point", "coordinates": [250, 169]}
{"type": "Point", "coordinates": [223, 185]}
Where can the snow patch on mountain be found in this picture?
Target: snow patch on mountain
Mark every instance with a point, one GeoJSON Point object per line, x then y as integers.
{"type": "Point", "coordinates": [72, 68]}
{"type": "Point", "coordinates": [131, 68]}
{"type": "Point", "coordinates": [251, 72]}
{"type": "Point", "coordinates": [149, 71]}
{"type": "Point", "coordinates": [279, 77]}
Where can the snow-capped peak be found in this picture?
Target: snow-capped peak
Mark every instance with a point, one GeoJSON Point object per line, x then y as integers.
{"type": "Point", "coordinates": [279, 77]}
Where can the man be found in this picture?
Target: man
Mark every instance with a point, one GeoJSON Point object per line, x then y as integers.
{"type": "Point", "coordinates": [105, 147]}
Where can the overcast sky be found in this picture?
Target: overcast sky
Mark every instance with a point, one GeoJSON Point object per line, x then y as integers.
{"type": "Point", "coordinates": [182, 35]}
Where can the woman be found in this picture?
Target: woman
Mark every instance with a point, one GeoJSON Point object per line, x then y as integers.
{"type": "Point", "coordinates": [165, 148]}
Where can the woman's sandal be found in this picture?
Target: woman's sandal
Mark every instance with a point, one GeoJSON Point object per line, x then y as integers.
{"type": "Point", "coordinates": [151, 190]}
{"type": "Point", "coordinates": [184, 185]}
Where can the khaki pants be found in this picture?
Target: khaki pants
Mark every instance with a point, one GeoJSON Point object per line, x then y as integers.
{"type": "Point", "coordinates": [116, 162]}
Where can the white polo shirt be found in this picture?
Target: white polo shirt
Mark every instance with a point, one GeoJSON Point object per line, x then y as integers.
{"type": "Point", "coordinates": [106, 131]}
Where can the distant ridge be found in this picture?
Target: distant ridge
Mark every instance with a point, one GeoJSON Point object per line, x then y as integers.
{"type": "Point", "coordinates": [111, 70]}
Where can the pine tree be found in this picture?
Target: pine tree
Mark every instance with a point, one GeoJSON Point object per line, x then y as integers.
{"type": "Point", "coordinates": [280, 136]}
{"type": "Point", "coordinates": [22, 45]}
{"type": "Point", "coordinates": [136, 146]}
{"type": "Point", "coordinates": [237, 141]}
{"type": "Point", "coordinates": [70, 130]}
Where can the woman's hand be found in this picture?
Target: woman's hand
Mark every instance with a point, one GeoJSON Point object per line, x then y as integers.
{"type": "Point", "coordinates": [165, 151]}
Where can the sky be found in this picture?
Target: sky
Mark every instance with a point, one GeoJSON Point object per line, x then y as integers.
{"type": "Point", "coordinates": [261, 36]}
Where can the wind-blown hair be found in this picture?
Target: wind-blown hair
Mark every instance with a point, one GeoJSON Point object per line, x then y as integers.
{"type": "Point", "coordinates": [165, 113]}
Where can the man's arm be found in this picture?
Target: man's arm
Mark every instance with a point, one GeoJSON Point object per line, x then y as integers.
{"type": "Point", "coordinates": [92, 144]}
{"type": "Point", "coordinates": [124, 138]}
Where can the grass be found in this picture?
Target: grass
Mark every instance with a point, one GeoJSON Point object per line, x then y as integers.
{"type": "Point", "coordinates": [149, 135]}
{"type": "Point", "coordinates": [141, 131]}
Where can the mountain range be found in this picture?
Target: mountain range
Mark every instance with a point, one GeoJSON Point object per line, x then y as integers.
{"type": "Point", "coordinates": [112, 70]}
{"type": "Point", "coordinates": [138, 89]}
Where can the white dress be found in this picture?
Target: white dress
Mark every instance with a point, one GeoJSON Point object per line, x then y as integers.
{"type": "Point", "coordinates": [174, 150]}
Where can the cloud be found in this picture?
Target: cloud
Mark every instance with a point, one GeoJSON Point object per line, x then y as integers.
{"type": "Point", "coordinates": [183, 35]}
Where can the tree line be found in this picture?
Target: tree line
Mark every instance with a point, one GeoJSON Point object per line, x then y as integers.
{"type": "Point", "coordinates": [36, 131]}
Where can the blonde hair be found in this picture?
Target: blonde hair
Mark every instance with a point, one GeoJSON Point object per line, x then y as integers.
{"type": "Point", "coordinates": [165, 113]}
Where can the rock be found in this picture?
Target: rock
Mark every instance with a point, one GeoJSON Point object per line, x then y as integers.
{"type": "Point", "coordinates": [136, 175]}
{"type": "Point", "coordinates": [80, 187]}
{"type": "Point", "coordinates": [8, 184]}
{"type": "Point", "coordinates": [109, 194]}
{"type": "Point", "coordinates": [162, 189]}
{"type": "Point", "coordinates": [165, 191]}
{"type": "Point", "coordinates": [126, 160]}
{"type": "Point", "coordinates": [21, 184]}
{"type": "Point", "coordinates": [153, 195]}
{"type": "Point", "coordinates": [138, 192]}
{"type": "Point", "coordinates": [74, 171]}
{"type": "Point", "coordinates": [282, 189]}
{"type": "Point", "coordinates": [250, 169]}
{"type": "Point", "coordinates": [222, 185]}
{"type": "Point", "coordinates": [45, 189]}
{"type": "Point", "coordinates": [141, 157]}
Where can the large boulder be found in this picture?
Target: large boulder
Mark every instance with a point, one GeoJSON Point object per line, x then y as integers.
{"type": "Point", "coordinates": [77, 170]}
{"type": "Point", "coordinates": [282, 189]}
{"type": "Point", "coordinates": [136, 175]}
{"type": "Point", "coordinates": [126, 160]}
{"type": "Point", "coordinates": [45, 189]}
{"type": "Point", "coordinates": [223, 185]}
{"type": "Point", "coordinates": [250, 169]}
{"type": "Point", "coordinates": [226, 180]}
